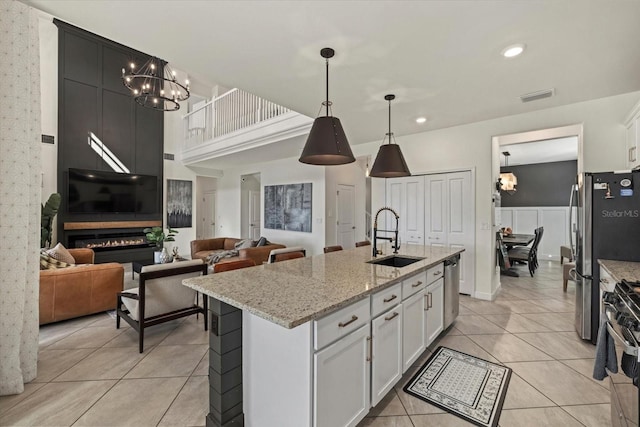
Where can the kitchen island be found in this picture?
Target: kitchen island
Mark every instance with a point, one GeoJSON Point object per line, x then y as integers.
{"type": "Point", "coordinates": [317, 341]}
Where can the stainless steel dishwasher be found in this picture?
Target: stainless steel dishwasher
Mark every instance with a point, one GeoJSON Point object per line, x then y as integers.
{"type": "Point", "coordinates": [451, 290]}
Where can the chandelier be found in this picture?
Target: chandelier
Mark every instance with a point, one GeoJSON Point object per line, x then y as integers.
{"type": "Point", "coordinates": [508, 180]}
{"type": "Point", "coordinates": [154, 85]}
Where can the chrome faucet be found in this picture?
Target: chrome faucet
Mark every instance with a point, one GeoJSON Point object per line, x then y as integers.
{"type": "Point", "coordinates": [377, 252]}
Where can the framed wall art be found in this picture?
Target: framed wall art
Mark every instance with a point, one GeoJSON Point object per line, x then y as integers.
{"type": "Point", "coordinates": [179, 203]}
{"type": "Point", "coordinates": [288, 207]}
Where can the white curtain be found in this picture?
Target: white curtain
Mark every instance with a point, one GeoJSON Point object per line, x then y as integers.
{"type": "Point", "coordinates": [19, 195]}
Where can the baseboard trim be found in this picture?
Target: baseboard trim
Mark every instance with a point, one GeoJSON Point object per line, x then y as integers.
{"type": "Point", "coordinates": [488, 296]}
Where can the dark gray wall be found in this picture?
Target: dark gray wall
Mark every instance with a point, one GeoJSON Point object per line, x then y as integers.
{"type": "Point", "coordinates": [541, 184]}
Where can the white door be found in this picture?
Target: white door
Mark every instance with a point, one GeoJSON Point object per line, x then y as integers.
{"type": "Point", "coordinates": [461, 224]}
{"type": "Point", "coordinates": [254, 215]}
{"type": "Point", "coordinates": [209, 215]}
{"type": "Point", "coordinates": [436, 209]}
{"type": "Point", "coordinates": [413, 329]}
{"type": "Point", "coordinates": [406, 197]}
{"type": "Point", "coordinates": [342, 381]}
{"type": "Point", "coordinates": [386, 363]}
{"type": "Point", "coordinates": [345, 213]}
{"type": "Point", "coordinates": [435, 309]}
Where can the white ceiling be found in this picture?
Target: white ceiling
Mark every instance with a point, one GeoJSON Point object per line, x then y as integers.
{"type": "Point", "coordinates": [440, 58]}
{"type": "Point", "coordinates": [550, 150]}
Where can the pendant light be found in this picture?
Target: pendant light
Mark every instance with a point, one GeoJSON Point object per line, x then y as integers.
{"type": "Point", "coordinates": [389, 162]}
{"type": "Point", "coordinates": [327, 143]}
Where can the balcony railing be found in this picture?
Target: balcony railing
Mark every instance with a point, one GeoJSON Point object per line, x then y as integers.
{"type": "Point", "coordinates": [228, 113]}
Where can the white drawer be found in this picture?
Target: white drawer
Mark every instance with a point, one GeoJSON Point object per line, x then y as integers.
{"type": "Point", "coordinates": [385, 299]}
{"type": "Point", "coordinates": [340, 323]}
{"type": "Point", "coordinates": [434, 273]}
{"type": "Point", "coordinates": [413, 284]}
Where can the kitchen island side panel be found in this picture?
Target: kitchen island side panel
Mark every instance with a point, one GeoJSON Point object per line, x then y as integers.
{"type": "Point", "coordinates": [277, 373]}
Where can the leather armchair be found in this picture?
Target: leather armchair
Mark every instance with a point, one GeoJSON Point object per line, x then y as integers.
{"type": "Point", "coordinates": [203, 248]}
{"type": "Point", "coordinates": [71, 292]}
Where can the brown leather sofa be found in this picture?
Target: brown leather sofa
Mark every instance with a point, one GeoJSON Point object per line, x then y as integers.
{"type": "Point", "coordinates": [77, 291]}
{"type": "Point", "coordinates": [203, 248]}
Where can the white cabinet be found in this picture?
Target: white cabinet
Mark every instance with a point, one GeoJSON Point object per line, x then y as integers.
{"type": "Point", "coordinates": [435, 309]}
{"type": "Point", "coordinates": [342, 381]}
{"type": "Point", "coordinates": [386, 361]}
{"type": "Point", "coordinates": [406, 197]}
{"type": "Point", "coordinates": [632, 124]}
{"type": "Point", "coordinates": [413, 329]}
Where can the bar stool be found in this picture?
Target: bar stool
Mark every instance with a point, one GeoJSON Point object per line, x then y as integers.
{"type": "Point", "coordinates": [286, 253]}
{"type": "Point", "coordinates": [335, 248]}
{"type": "Point", "coordinates": [363, 243]}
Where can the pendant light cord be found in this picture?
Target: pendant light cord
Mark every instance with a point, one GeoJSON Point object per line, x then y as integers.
{"type": "Point", "coordinates": [389, 121]}
{"type": "Point", "coordinates": [327, 78]}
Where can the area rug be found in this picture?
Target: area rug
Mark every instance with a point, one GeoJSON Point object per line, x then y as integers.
{"type": "Point", "coordinates": [464, 385]}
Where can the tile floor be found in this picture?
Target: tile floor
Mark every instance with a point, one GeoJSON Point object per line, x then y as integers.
{"type": "Point", "coordinates": [91, 374]}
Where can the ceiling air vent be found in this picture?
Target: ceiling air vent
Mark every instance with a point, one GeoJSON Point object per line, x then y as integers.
{"type": "Point", "coordinates": [169, 156]}
{"type": "Point", "coordinates": [534, 96]}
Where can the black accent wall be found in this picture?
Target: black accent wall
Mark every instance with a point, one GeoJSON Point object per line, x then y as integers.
{"type": "Point", "coordinates": [92, 98]}
{"type": "Point", "coordinates": [541, 184]}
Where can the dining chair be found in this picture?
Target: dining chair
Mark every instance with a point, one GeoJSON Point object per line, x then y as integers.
{"type": "Point", "coordinates": [284, 254]}
{"type": "Point", "coordinates": [363, 243]}
{"type": "Point", "coordinates": [160, 297]}
{"type": "Point", "coordinates": [335, 248]}
{"type": "Point", "coordinates": [528, 254]}
{"type": "Point", "coordinates": [233, 265]}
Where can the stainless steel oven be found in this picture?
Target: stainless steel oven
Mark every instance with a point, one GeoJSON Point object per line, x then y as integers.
{"type": "Point", "coordinates": [622, 308]}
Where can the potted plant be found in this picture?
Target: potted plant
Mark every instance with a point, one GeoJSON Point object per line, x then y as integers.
{"type": "Point", "coordinates": [157, 237]}
{"type": "Point", "coordinates": [47, 212]}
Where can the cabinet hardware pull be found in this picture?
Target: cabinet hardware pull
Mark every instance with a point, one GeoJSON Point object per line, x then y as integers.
{"type": "Point", "coordinates": [394, 315]}
{"type": "Point", "coordinates": [426, 303]}
{"type": "Point", "coordinates": [430, 298]}
{"type": "Point", "coordinates": [604, 280]}
{"type": "Point", "coordinates": [390, 299]}
{"type": "Point", "coordinates": [353, 319]}
{"type": "Point", "coordinates": [370, 349]}
{"type": "Point", "coordinates": [437, 273]}
{"type": "Point", "coordinates": [418, 283]}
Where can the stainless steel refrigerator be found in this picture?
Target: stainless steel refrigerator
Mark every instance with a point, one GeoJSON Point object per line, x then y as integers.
{"type": "Point", "coordinates": [607, 227]}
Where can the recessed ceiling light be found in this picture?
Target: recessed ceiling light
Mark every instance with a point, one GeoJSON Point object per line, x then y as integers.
{"type": "Point", "coordinates": [513, 50]}
{"type": "Point", "coordinates": [421, 120]}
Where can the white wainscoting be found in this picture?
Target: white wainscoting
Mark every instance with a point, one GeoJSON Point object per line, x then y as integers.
{"type": "Point", "coordinates": [554, 219]}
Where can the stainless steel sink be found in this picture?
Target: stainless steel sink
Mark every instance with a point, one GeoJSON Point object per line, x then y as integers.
{"type": "Point", "coordinates": [395, 261]}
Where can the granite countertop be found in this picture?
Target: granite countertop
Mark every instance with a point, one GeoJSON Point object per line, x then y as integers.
{"type": "Point", "coordinates": [293, 292]}
{"type": "Point", "coordinates": [620, 270]}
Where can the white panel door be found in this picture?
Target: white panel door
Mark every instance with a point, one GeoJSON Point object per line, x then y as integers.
{"type": "Point", "coordinates": [254, 215]}
{"type": "Point", "coordinates": [412, 217]}
{"type": "Point", "coordinates": [436, 210]}
{"type": "Point", "coordinates": [413, 329]}
{"type": "Point", "coordinates": [525, 220]}
{"type": "Point", "coordinates": [461, 225]}
{"type": "Point", "coordinates": [555, 222]}
{"type": "Point", "coordinates": [209, 215]}
{"type": "Point", "coordinates": [342, 381]}
{"type": "Point", "coordinates": [386, 363]}
{"type": "Point", "coordinates": [395, 197]}
{"type": "Point", "coordinates": [345, 209]}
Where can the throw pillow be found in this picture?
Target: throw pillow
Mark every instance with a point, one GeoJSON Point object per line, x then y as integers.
{"type": "Point", "coordinates": [262, 242]}
{"type": "Point", "coordinates": [242, 244]}
{"type": "Point", "coordinates": [48, 263]}
{"type": "Point", "coordinates": [61, 253]}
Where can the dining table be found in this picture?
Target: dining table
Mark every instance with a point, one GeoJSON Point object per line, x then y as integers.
{"type": "Point", "coordinates": [517, 239]}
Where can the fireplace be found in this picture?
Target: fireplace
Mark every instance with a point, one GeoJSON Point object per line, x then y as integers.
{"type": "Point", "coordinates": [112, 244]}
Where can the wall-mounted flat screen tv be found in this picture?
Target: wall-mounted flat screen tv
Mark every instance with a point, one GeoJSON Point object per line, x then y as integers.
{"type": "Point", "coordinates": [92, 191]}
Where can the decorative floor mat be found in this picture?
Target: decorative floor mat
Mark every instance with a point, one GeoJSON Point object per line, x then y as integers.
{"type": "Point", "coordinates": [464, 385]}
